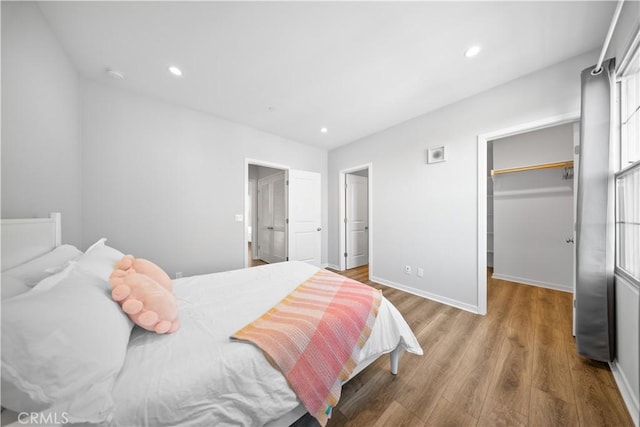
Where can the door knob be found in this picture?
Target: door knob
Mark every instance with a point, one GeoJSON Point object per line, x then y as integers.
{"type": "Point", "coordinates": [319, 229]}
{"type": "Point", "coordinates": [569, 240]}
{"type": "Point", "coordinates": [367, 227]}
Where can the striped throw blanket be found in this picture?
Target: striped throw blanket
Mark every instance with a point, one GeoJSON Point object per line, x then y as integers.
{"type": "Point", "coordinates": [314, 336]}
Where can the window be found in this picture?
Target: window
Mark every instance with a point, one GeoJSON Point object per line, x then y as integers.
{"type": "Point", "coordinates": [628, 222]}
{"type": "Point", "coordinates": [630, 114]}
{"type": "Point", "coordinates": [628, 178]}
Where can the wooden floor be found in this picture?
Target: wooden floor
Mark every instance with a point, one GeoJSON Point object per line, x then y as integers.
{"type": "Point", "coordinates": [516, 366]}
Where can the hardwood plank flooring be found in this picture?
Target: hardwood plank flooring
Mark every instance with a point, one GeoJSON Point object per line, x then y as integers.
{"type": "Point", "coordinates": [516, 366]}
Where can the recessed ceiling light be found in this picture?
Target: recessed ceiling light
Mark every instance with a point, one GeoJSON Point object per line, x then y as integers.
{"type": "Point", "coordinates": [324, 130]}
{"type": "Point", "coordinates": [472, 51]}
{"type": "Point", "coordinates": [175, 71]}
{"type": "Point", "coordinates": [115, 74]}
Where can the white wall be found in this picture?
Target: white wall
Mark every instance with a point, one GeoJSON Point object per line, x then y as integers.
{"type": "Point", "coordinates": [533, 210]}
{"type": "Point", "coordinates": [157, 180]}
{"type": "Point", "coordinates": [549, 145]}
{"type": "Point", "coordinates": [41, 147]}
{"type": "Point", "coordinates": [164, 182]}
{"type": "Point", "coordinates": [425, 215]}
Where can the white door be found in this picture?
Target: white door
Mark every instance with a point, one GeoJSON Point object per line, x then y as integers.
{"type": "Point", "coordinates": [357, 221]}
{"type": "Point", "coordinates": [272, 218]}
{"type": "Point", "coordinates": [305, 232]}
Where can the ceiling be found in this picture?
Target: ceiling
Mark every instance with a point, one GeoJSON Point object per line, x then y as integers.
{"type": "Point", "coordinates": [291, 68]}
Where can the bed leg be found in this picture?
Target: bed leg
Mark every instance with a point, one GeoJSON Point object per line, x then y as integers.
{"type": "Point", "coordinates": [395, 359]}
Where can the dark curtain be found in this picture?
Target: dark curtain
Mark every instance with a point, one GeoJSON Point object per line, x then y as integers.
{"type": "Point", "coordinates": [595, 303]}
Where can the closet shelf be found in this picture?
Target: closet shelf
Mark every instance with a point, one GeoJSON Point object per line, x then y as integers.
{"type": "Point", "coordinates": [568, 164]}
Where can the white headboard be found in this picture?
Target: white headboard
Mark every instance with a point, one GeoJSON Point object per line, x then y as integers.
{"type": "Point", "coordinates": [26, 238]}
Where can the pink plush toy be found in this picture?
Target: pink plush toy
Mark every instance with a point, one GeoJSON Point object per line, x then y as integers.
{"type": "Point", "coordinates": [145, 293]}
{"type": "Point", "coordinates": [147, 268]}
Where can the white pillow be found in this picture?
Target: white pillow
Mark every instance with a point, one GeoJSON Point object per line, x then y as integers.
{"type": "Point", "coordinates": [49, 282]}
{"type": "Point", "coordinates": [62, 349]}
{"type": "Point", "coordinates": [32, 272]}
{"type": "Point", "coordinates": [99, 260]}
{"type": "Point", "coordinates": [10, 286]}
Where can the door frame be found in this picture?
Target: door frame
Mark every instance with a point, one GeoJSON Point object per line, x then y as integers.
{"type": "Point", "coordinates": [353, 199]}
{"type": "Point", "coordinates": [482, 189]}
{"type": "Point", "coordinates": [576, 169]}
{"type": "Point", "coordinates": [343, 211]}
{"type": "Point", "coordinates": [249, 204]}
{"type": "Point", "coordinates": [256, 162]}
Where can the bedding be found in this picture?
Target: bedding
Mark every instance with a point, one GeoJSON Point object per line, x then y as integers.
{"type": "Point", "coordinates": [68, 349]}
{"type": "Point", "coordinates": [63, 344]}
{"type": "Point", "coordinates": [198, 376]}
{"type": "Point", "coordinates": [99, 260]}
{"type": "Point", "coordinates": [63, 340]}
{"type": "Point", "coordinates": [326, 311]}
{"type": "Point", "coordinates": [21, 278]}
{"type": "Point", "coordinates": [12, 286]}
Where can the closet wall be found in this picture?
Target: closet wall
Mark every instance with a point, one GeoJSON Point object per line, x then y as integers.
{"type": "Point", "coordinates": [533, 209]}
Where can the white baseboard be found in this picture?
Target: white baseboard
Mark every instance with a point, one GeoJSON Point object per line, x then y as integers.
{"type": "Point", "coordinates": [526, 281]}
{"type": "Point", "coordinates": [625, 390]}
{"type": "Point", "coordinates": [427, 295]}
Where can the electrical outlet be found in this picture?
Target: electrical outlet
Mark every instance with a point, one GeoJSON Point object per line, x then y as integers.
{"type": "Point", "coordinates": [420, 272]}
{"type": "Point", "coordinates": [178, 274]}
{"type": "Point", "coordinates": [407, 269]}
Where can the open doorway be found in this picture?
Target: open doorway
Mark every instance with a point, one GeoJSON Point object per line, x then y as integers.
{"type": "Point", "coordinates": [282, 214]}
{"type": "Point", "coordinates": [533, 207]}
{"type": "Point", "coordinates": [484, 175]}
{"type": "Point", "coordinates": [266, 215]}
{"type": "Point", "coordinates": [355, 214]}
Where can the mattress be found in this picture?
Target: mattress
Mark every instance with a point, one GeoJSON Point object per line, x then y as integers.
{"type": "Point", "coordinates": [198, 376]}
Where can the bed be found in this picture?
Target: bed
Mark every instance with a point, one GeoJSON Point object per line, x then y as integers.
{"type": "Point", "coordinates": [122, 375]}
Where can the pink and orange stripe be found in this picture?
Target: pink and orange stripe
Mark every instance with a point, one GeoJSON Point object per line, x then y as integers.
{"type": "Point", "coordinates": [314, 336]}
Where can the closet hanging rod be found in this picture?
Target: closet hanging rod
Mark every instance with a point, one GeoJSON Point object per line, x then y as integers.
{"type": "Point", "coordinates": [568, 164]}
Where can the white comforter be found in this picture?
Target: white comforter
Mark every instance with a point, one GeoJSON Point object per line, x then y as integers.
{"type": "Point", "coordinates": [198, 376]}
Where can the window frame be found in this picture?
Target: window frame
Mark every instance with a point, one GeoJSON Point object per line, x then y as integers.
{"type": "Point", "coordinates": [619, 270]}
{"type": "Point", "coordinates": [624, 169]}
